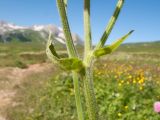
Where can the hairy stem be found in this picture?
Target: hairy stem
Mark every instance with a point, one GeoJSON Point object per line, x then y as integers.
{"type": "Point", "coordinates": [77, 96]}
{"type": "Point", "coordinates": [69, 41]}
{"type": "Point", "coordinates": [90, 95]}
{"type": "Point", "coordinates": [89, 88]}
{"type": "Point", "coordinates": [72, 53]}
{"type": "Point", "coordinates": [88, 78]}
{"type": "Point", "coordinates": [87, 27]}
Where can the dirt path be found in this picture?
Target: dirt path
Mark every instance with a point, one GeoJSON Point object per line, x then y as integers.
{"type": "Point", "coordinates": [11, 77]}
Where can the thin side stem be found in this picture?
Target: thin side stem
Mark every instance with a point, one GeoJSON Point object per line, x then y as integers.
{"type": "Point", "coordinates": [69, 41]}
{"type": "Point", "coordinates": [111, 24]}
{"type": "Point", "coordinates": [77, 96]}
{"type": "Point", "coordinates": [72, 53]}
{"type": "Point", "coordinates": [87, 27]}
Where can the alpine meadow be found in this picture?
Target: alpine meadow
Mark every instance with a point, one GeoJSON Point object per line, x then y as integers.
{"type": "Point", "coordinates": [49, 72]}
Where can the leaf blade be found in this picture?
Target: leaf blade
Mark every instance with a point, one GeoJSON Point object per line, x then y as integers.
{"type": "Point", "coordinates": [117, 43]}
{"type": "Point", "coordinates": [50, 50]}
{"type": "Point", "coordinates": [109, 49]}
{"type": "Point", "coordinates": [111, 24]}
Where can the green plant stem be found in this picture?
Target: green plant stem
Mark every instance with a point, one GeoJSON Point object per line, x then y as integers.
{"type": "Point", "coordinates": [77, 96]}
{"type": "Point", "coordinates": [88, 78]}
{"type": "Point", "coordinates": [92, 107]}
{"type": "Point", "coordinates": [85, 67]}
{"type": "Point", "coordinates": [111, 24]}
{"type": "Point", "coordinates": [87, 27]}
{"type": "Point", "coordinates": [69, 41]}
{"type": "Point", "coordinates": [72, 53]}
{"type": "Point", "coordinates": [90, 95]}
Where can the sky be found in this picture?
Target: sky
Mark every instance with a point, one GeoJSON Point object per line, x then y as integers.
{"type": "Point", "coordinates": [143, 16]}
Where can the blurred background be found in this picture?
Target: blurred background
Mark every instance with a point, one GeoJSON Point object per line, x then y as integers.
{"type": "Point", "coordinates": [127, 82]}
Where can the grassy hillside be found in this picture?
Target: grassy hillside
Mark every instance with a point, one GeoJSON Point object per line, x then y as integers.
{"type": "Point", "coordinates": [20, 54]}
{"type": "Point", "coordinates": [152, 47]}
{"type": "Point", "coordinates": [23, 53]}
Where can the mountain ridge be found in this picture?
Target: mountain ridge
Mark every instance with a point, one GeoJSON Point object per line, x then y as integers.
{"type": "Point", "coordinates": [12, 32]}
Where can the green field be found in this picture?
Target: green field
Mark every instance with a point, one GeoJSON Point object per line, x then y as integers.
{"type": "Point", "coordinates": [20, 54]}
{"type": "Point", "coordinates": [127, 83]}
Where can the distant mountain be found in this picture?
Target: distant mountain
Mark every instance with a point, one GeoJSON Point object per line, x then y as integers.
{"type": "Point", "coordinates": [37, 33]}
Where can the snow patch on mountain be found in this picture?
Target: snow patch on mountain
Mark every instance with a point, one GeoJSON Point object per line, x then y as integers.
{"type": "Point", "coordinates": [43, 30]}
{"type": "Point", "coordinates": [4, 27]}
{"type": "Point", "coordinates": [38, 27]}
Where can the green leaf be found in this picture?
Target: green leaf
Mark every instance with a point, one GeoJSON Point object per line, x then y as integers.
{"type": "Point", "coordinates": [117, 43]}
{"type": "Point", "coordinates": [102, 51]}
{"type": "Point", "coordinates": [50, 50]}
{"type": "Point", "coordinates": [112, 47]}
{"type": "Point", "coordinates": [53, 51]}
{"type": "Point", "coordinates": [111, 24]}
{"type": "Point", "coordinates": [71, 64]}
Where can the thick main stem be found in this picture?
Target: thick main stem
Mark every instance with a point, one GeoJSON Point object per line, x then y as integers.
{"type": "Point", "coordinates": [77, 96]}
{"type": "Point", "coordinates": [88, 78]}
{"type": "Point", "coordinates": [89, 91]}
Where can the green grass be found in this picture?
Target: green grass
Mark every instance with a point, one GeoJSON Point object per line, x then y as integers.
{"type": "Point", "coordinates": [145, 47]}
{"type": "Point", "coordinates": [15, 54]}
{"type": "Point", "coordinates": [127, 83]}
{"type": "Point", "coordinates": [124, 91]}
{"type": "Point", "coordinates": [22, 54]}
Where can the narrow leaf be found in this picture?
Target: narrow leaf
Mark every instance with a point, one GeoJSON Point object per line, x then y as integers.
{"type": "Point", "coordinates": [111, 24]}
{"type": "Point", "coordinates": [117, 43]}
{"type": "Point", "coordinates": [50, 50]}
{"type": "Point", "coordinates": [112, 47]}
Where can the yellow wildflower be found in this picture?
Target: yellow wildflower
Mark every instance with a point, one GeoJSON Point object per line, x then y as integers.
{"type": "Point", "coordinates": [120, 84]}
{"type": "Point", "coordinates": [129, 76]}
{"type": "Point", "coordinates": [134, 81]}
{"type": "Point", "coordinates": [141, 88]}
{"type": "Point", "coordinates": [119, 114]}
{"type": "Point", "coordinates": [126, 107]}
